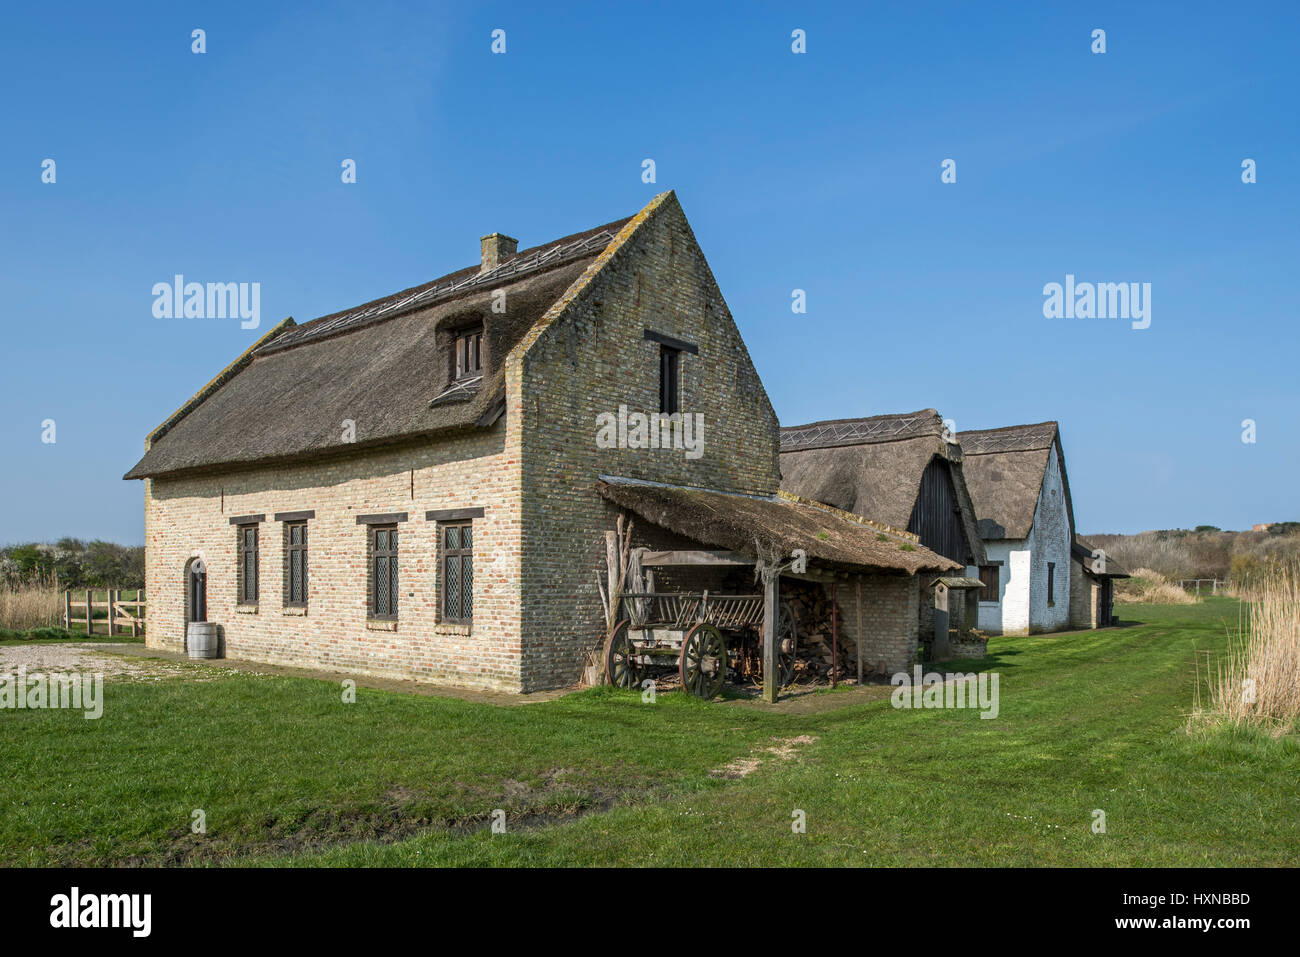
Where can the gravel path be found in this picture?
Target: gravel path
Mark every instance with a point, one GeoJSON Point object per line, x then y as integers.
{"type": "Point", "coordinates": [84, 658]}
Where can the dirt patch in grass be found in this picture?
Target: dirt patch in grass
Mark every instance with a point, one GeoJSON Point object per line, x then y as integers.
{"type": "Point", "coordinates": [401, 813]}
{"type": "Point", "coordinates": [784, 750]}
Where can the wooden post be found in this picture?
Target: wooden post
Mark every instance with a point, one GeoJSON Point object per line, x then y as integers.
{"type": "Point", "coordinates": [135, 622]}
{"type": "Point", "coordinates": [835, 639]}
{"type": "Point", "coordinates": [67, 608]}
{"type": "Point", "coordinates": [90, 617]}
{"type": "Point", "coordinates": [771, 605]}
{"type": "Point", "coordinates": [611, 566]}
{"type": "Point", "coordinates": [112, 595]}
{"type": "Point", "coordinates": [858, 590]}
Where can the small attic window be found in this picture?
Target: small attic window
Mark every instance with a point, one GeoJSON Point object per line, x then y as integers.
{"type": "Point", "coordinates": [469, 353]}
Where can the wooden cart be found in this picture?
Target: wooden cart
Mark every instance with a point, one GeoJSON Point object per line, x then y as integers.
{"type": "Point", "coordinates": [702, 635]}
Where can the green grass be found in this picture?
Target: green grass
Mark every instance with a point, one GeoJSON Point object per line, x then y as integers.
{"type": "Point", "coordinates": [288, 773]}
{"type": "Point", "coordinates": [57, 634]}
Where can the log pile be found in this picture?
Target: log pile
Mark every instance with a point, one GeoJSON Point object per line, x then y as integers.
{"type": "Point", "coordinates": [811, 604]}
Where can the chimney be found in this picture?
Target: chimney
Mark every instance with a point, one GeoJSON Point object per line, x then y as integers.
{"type": "Point", "coordinates": [497, 248]}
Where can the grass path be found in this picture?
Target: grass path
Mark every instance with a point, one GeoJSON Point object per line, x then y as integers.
{"type": "Point", "coordinates": [287, 773]}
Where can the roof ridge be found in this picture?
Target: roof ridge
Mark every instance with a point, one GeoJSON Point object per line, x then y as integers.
{"type": "Point", "coordinates": [869, 430]}
{"type": "Point", "coordinates": [535, 259]}
{"type": "Point", "coordinates": [1011, 428]}
{"type": "Point", "coordinates": [1010, 438]}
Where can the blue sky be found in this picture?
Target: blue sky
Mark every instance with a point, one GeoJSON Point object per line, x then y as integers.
{"type": "Point", "coordinates": [818, 171]}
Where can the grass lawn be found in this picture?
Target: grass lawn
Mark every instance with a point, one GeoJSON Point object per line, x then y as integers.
{"type": "Point", "coordinates": [285, 772]}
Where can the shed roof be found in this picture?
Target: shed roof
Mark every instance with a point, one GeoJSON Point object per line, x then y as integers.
{"type": "Point", "coordinates": [874, 466]}
{"type": "Point", "coordinates": [381, 366]}
{"type": "Point", "coordinates": [772, 527]}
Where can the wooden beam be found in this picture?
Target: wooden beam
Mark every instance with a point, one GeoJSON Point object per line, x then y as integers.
{"type": "Point", "coordinates": [771, 606]}
{"type": "Point", "coordinates": [90, 613]}
{"type": "Point", "coordinates": [693, 556]}
{"type": "Point", "coordinates": [857, 588]}
{"type": "Point", "coordinates": [835, 640]}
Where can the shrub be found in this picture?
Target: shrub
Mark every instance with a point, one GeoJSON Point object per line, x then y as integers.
{"type": "Point", "coordinates": [48, 634]}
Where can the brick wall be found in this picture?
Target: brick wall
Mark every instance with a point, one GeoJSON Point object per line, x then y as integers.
{"type": "Point", "coordinates": [1049, 541]}
{"type": "Point", "coordinates": [188, 517]}
{"type": "Point", "coordinates": [890, 620]}
{"type": "Point", "coordinates": [1083, 597]}
{"type": "Point", "coordinates": [592, 359]}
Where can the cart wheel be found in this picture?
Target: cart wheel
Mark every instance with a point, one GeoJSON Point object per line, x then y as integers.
{"type": "Point", "coordinates": [704, 661]}
{"type": "Point", "coordinates": [787, 641]}
{"type": "Point", "coordinates": [621, 668]}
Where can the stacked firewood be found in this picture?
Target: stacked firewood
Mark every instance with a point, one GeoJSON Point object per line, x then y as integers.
{"type": "Point", "coordinates": [811, 605]}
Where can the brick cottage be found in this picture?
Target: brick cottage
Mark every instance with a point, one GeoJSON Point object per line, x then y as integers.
{"type": "Point", "coordinates": [412, 487]}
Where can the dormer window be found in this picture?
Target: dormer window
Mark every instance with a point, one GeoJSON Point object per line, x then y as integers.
{"type": "Point", "coordinates": [469, 353]}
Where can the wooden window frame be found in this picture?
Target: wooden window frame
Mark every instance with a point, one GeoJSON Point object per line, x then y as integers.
{"type": "Point", "coordinates": [374, 555]}
{"type": "Point", "coordinates": [670, 379]}
{"type": "Point", "coordinates": [471, 339]}
{"type": "Point", "coordinates": [290, 547]}
{"type": "Point", "coordinates": [243, 551]}
{"type": "Point", "coordinates": [459, 554]}
{"type": "Point", "coordinates": [1051, 584]}
{"type": "Point", "coordinates": [995, 573]}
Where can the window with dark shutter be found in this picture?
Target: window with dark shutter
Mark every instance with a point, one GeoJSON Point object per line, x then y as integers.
{"type": "Point", "coordinates": [458, 572]}
{"type": "Point", "coordinates": [383, 571]}
{"type": "Point", "coordinates": [1051, 582]}
{"type": "Point", "coordinates": [296, 571]}
{"type": "Point", "coordinates": [247, 568]}
{"type": "Point", "coordinates": [670, 360]}
{"type": "Point", "coordinates": [469, 353]}
{"type": "Point", "coordinates": [989, 577]}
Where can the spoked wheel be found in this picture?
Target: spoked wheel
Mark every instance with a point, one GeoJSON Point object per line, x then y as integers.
{"type": "Point", "coordinates": [787, 641]}
{"type": "Point", "coordinates": [621, 668]}
{"type": "Point", "coordinates": [704, 661]}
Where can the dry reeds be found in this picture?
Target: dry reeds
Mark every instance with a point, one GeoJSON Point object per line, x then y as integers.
{"type": "Point", "coordinates": [34, 602]}
{"type": "Point", "coordinates": [1258, 682]}
{"type": "Point", "coordinates": [1149, 587]}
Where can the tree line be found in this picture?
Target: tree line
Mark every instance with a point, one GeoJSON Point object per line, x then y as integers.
{"type": "Point", "coordinates": [73, 563]}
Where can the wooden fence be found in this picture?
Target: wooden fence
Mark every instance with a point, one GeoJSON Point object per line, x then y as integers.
{"type": "Point", "coordinates": [1214, 583]}
{"type": "Point", "coordinates": [117, 618]}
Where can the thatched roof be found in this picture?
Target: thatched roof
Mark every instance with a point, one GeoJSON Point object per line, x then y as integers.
{"type": "Point", "coordinates": [385, 366]}
{"type": "Point", "coordinates": [874, 466]}
{"type": "Point", "coordinates": [960, 582]}
{"type": "Point", "coordinates": [772, 527]}
{"type": "Point", "coordinates": [1082, 551]}
{"type": "Point", "coordinates": [1004, 471]}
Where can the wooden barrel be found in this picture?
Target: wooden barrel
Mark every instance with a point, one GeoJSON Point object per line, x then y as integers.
{"type": "Point", "coordinates": [201, 639]}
